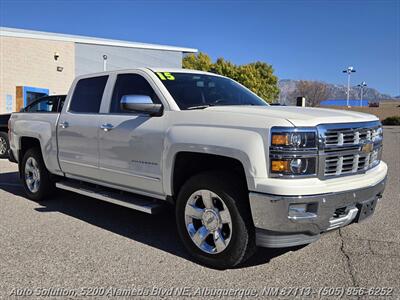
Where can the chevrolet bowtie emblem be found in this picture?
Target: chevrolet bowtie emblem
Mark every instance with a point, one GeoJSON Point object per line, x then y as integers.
{"type": "Point", "coordinates": [367, 148]}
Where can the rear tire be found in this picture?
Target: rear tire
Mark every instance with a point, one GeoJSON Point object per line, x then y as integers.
{"type": "Point", "coordinates": [35, 176]}
{"type": "Point", "coordinates": [214, 220]}
{"type": "Point", "coordinates": [4, 145]}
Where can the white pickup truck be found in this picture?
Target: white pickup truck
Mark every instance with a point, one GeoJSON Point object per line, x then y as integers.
{"type": "Point", "coordinates": [240, 173]}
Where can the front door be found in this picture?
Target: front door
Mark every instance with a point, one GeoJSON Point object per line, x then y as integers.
{"type": "Point", "coordinates": [78, 129]}
{"type": "Point", "coordinates": [131, 145]}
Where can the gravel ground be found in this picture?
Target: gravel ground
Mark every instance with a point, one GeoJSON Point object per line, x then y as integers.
{"type": "Point", "coordinates": [74, 244]}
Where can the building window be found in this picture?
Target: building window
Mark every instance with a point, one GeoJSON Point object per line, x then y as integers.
{"type": "Point", "coordinates": [9, 103]}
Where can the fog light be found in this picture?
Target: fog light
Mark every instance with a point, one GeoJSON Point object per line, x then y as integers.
{"type": "Point", "coordinates": [302, 211]}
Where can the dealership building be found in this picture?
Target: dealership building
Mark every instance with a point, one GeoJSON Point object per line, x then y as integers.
{"type": "Point", "coordinates": [35, 63]}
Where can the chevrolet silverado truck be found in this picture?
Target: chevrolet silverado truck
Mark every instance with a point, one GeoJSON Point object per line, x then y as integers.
{"type": "Point", "coordinates": [240, 173]}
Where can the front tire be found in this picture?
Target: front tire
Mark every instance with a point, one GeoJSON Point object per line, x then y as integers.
{"type": "Point", "coordinates": [35, 176]}
{"type": "Point", "coordinates": [214, 220]}
{"type": "Point", "coordinates": [4, 145]}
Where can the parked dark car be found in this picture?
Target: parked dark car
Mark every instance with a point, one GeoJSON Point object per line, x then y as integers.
{"type": "Point", "coordinates": [43, 104]}
{"type": "Point", "coordinates": [4, 145]}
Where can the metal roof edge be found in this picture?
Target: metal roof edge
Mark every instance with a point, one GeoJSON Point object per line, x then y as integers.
{"type": "Point", "coordinates": [23, 33]}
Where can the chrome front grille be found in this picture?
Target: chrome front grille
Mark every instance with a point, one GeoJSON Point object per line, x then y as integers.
{"type": "Point", "coordinates": [347, 149]}
{"type": "Point", "coordinates": [350, 163]}
{"type": "Point", "coordinates": [351, 136]}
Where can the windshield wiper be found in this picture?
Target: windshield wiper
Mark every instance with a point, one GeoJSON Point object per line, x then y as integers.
{"type": "Point", "coordinates": [198, 107]}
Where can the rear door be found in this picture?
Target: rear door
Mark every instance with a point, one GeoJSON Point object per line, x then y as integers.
{"type": "Point", "coordinates": [78, 129]}
{"type": "Point", "coordinates": [131, 144]}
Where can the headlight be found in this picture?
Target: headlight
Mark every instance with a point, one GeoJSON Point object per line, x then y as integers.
{"type": "Point", "coordinates": [293, 139]}
{"type": "Point", "coordinates": [293, 152]}
{"type": "Point", "coordinates": [293, 166]}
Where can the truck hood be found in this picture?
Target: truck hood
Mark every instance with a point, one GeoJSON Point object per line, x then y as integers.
{"type": "Point", "coordinates": [298, 116]}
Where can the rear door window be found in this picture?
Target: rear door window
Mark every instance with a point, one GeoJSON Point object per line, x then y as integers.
{"type": "Point", "coordinates": [88, 94]}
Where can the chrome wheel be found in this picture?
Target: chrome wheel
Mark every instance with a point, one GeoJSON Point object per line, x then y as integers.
{"type": "Point", "coordinates": [32, 175]}
{"type": "Point", "coordinates": [3, 146]}
{"type": "Point", "coordinates": [208, 221]}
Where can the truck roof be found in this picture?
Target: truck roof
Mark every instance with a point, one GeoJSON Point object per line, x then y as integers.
{"type": "Point", "coordinates": [178, 70]}
{"type": "Point", "coordinates": [158, 69]}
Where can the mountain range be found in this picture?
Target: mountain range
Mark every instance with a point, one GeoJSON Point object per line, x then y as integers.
{"type": "Point", "coordinates": [335, 91]}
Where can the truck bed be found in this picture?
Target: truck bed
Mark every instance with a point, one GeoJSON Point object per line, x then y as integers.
{"type": "Point", "coordinates": [42, 126]}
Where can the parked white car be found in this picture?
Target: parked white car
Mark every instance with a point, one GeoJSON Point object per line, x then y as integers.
{"type": "Point", "coordinates": [240, 173]}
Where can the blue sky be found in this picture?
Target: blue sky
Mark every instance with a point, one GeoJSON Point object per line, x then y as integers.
{"type": "Point", "coordinates": [301, 39]}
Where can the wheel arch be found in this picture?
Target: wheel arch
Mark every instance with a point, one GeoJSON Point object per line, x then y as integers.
{"type": "Point", "coordinates": [26, 143]}
{"type": "Point", "coordinates": [188, 163]}
{"type": "Point", "coordinates": [241, 146]}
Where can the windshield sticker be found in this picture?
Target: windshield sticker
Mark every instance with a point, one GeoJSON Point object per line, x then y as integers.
{"type": "Point", "coordinates": [165, 76]}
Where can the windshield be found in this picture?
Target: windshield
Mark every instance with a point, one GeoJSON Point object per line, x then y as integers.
{"type": "Point", "coordinates": [193, 91]}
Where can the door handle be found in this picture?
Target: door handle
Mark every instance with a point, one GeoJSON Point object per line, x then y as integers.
{"type": "Point", "coordinates": [64, 124]}
{"type": "Point", "coordinates": [107, 127]}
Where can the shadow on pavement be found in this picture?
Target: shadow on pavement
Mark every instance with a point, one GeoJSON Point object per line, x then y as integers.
{"type": "Point", "coordinates": [157, 231]}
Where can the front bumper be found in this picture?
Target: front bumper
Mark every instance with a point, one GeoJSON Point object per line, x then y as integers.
{"type": "Point", "coordinates": [278, 226]}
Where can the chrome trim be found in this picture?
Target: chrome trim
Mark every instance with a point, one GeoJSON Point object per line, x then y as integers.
{"type": "Point", "coordinates": [130, 174]}
{"type": "Point", "coordinates": [106, 127]}
{"type": "Point", "coordinates": [289, 154]}
{"type": "Point", "coordinates": [343, 221]}
{"type": "Point", "coordinates": [265, 238]}
{"type": "Point", "coordinates": [32, 175]}
{"type": "Point", "coordinates": [110, 170]}
{"type": "Point", "coordinates": [270, 212]}
{"type": "Point", "coordinates": [339, 150]}
{"type": "Point", "coordinates": [209, 227]}
{"type": "Point", "coordinates": [302, 216]}
{"type": "Point", "coordinates": [323, 128]}
{"type": "Point", "coordinates": [130, 201]}
{"type": "Point", "coordinates": [323, 151]}
{"type": "Point", "coordinates": [114, 186]}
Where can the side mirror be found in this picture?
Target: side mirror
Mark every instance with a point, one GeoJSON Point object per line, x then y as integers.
{"type": "Point", "coordinates": [140, 104]}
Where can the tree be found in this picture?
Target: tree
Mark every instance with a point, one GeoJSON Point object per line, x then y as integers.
{"type": "Point", "coordinates": [225, 68]}
{"type": "Point", "coordinates": [313, 91]}
{"type": "Point", "coordinates": [201, 62]}
{"type": "Point", "coordinates": [258, 77]}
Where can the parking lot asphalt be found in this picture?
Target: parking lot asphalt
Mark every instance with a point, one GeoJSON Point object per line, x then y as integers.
{"type": "Point", "coordinates": [75, 242]}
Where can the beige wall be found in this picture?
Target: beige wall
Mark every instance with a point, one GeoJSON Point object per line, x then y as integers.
{"type": "Point", "coordinates": [30, 62]}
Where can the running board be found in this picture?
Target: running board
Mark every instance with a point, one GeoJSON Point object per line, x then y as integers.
{"type": "Point", "coordinates": [140, 203]}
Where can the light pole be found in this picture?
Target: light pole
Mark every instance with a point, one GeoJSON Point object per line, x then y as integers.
{"type": "Point", "coordinates": [349, 70]}
{"type": "Point", "coordinates": [361, 85]}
